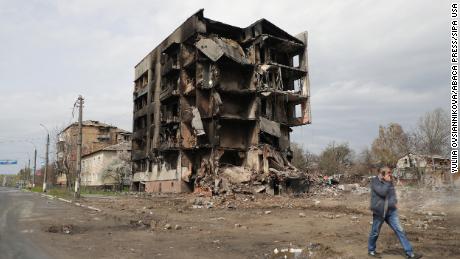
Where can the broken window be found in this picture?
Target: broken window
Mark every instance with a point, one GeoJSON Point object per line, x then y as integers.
{"type": "Point", "coordinates": [243, 106]}
{"type": "Point", "coordinates": [238, 134]}
{"type": "Point", "coordinates": [232, 157]}
{"type": "Point", "coordinates": [298, 111]}
{"type": "Point", "coordinates": [170, 59]}
{"type": "Point", "coordinates": [140, 122]}
{"type": "Point", "coordinates": [187, 54]}
{"type": "Point", "coordinates": [278, 57]}
{"type": "Point", "coordinates": [234, 77]}
{"type": "Point", "coordinates": [265, 138]}
{"type": "Point", "coordinates": [140, 102]}
{"type": "Point", "coordinates": [297, 86]}
{"type": "Point", "coordinates": [187, 80]}
{"type": "Point", "coordinates": [169, 159]}
{"type": "Point", "coordinates": [169, 110]}
{"type": "Point", "coordinates": [203, 100]}
{"type": "Point", "coordinates": [207, 75]}
{"type": "Point", "coordinates": [169, 86]}
{"type": "Point", "coordinates": [296, 61]}
{"type": "Point", "coordinates": [141, 82]}
{"type": "Point", "coordinates": [169, 136]}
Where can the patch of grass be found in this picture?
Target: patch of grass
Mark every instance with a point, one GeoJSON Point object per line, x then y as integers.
{"type": "Point", "coordinates": [36, 189]}
{"type": "Point", "coordinates": [60, 192]}
{"type": "Point", "coordinates": [65, 193]}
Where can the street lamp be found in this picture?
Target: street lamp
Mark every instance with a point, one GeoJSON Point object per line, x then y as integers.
{"type": "Point", "coordinates": [46, 160]}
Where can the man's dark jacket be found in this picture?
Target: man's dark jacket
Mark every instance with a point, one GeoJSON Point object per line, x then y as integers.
{"type": "Point", "coordinates": [382, 192]}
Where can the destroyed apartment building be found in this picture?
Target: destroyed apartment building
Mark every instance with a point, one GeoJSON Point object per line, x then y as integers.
{"type": "Point", "coordinates": [214, 105]}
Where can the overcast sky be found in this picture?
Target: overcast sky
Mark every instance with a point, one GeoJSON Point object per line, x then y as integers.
{"type": "Point", "coordinates": [371, 62]}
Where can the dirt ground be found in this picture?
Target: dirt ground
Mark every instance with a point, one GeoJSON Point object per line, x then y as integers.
{"type": "Point", "coordinates": [330, 224]}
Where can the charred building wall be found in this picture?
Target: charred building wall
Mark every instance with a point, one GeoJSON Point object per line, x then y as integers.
{"type": "Point", "coordinates": [214, 100]}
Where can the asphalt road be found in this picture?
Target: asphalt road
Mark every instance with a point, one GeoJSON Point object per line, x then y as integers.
{"type": "Point", "coordinates": [17, 210]}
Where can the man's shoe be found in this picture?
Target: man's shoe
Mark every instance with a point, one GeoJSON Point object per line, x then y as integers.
{"type": "Point", "coordinates": [374, 254]}
{"type": "Point", "coordinates": [414, 256]}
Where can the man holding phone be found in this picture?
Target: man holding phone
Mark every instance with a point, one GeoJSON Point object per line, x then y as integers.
{"type": "Point", "coordinates": [384, 206]}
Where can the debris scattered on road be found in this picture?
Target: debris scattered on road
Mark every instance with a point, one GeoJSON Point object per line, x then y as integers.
{"type": "Point", "coordinates": [63, 229]}
{"type": "Point", "coordinates": [153, 224]}
{"type": "Point", "coordinates": [67, 229]}
{"type": "Point", "coordinates": [287, 253]}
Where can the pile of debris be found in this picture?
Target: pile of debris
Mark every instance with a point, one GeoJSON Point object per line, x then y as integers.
{"type": "Point", "coordinates": [278, 176]}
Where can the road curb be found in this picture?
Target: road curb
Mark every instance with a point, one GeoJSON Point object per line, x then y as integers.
{"type": "Point", "coordinates": [52, 197]}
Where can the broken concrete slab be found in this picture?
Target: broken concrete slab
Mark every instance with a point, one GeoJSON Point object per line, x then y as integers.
{"type": "Point", "coordinates": [216, 47]}
{"type": "Point", "coordinates": [236, 174]}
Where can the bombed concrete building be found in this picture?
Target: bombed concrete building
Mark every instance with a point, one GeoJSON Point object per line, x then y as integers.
{"type": "Point", "coordinates": [214, 105]}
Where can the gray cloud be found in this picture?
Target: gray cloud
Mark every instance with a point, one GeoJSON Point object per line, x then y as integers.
{"type": "Point", "coordinates": [371, 62]}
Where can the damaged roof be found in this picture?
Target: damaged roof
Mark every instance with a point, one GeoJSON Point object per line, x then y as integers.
{"type": "Point", "coordinates": [94, 123]}
{"type": "Point", "coordinates": [122, 146]}
{"type": "Point", "coordinates": [191, 25]}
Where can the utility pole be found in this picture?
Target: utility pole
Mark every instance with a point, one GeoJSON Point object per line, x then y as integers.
{"type": "Point", "coordinates": [35, 162]}
{"type": "Point", "coordinates": [79, 142]}
{"type": "Point", "coordinates": [24, 176]}
{"type": "Point", "coordinates": [46, 161]}
{"type": "Point", "coordinates": [28, 172]}
{"type": "Point", "coordinates": [35, 168]}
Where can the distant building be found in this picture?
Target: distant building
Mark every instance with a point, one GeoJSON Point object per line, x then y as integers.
{"type": "Point", "coordinates": [94, 164]}
{"type": "Point", "coordinates": [431, 170]}
{"type": "Point", "coordinates": [95, 136]}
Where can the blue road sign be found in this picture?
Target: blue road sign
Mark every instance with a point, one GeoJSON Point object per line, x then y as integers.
{"type": "Point", "coordinates": [8, 162]}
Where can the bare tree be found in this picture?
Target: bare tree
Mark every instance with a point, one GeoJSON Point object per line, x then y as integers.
{"type": "Point", "coordinates": [24, 174]}
{"type": "Point", "coordinates": [431, 136]}
{"type": "Point", "coordinates": [364, 162]}
{"type": "Point", "coordinates": [391, 144]}
{"type": "Point", "coordinates": [299, 160]}
{"type": "Point", "coordinates": [302, 159]}
{"type": "Point", "coordinates": [335, 158]}
{"type": "Point", "coordinates": [66, 146]}
{"type": "Point", "coordinates": [119, 170]}
{"type": "Point", "coordinates": [365, 157]}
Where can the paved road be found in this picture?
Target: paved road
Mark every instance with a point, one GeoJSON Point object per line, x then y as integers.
{"type": "Point", "coordinates": [17, 207]}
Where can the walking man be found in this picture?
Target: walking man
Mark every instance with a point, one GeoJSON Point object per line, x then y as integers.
{"type": "Point", "coordinates": [384, 206]}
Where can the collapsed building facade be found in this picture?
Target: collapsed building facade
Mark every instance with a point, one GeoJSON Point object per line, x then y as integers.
{"type": "Point", "coordinates": [431, 170]}
{"type": "Point", "coordinates": [214, 105]}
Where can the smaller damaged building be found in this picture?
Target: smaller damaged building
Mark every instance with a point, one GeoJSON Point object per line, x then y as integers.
{"type": "Point", "coordinates": [107, 167]}
{"type": "Point", "coordinates": [214, 105]}
{"type": "Point", "coordinates": [429, 170]}
{"type": "Point", "coordinates": [96, 135]}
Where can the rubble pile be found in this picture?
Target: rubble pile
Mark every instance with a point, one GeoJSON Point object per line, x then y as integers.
{"type": "Point", "coordinates": [279, 179]}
